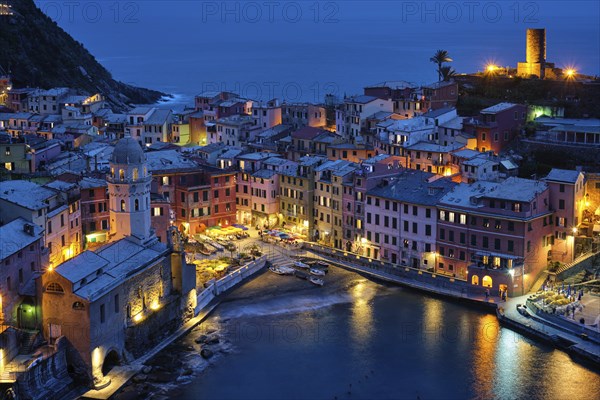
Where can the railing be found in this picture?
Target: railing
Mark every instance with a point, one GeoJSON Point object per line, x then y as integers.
{"type": "Point", "coordinates": [227, 282]}
{"type": "Point", "coordinates": [379, 265]}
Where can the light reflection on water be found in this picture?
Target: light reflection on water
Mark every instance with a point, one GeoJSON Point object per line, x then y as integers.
{"type": "Point", "coordinates": [398, 345]}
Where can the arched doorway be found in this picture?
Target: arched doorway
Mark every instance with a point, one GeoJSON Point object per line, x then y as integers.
{"type": "Point", "coordinates": [111, 360]}
{"type": "Point", "coordinates": [26, 314]}
{"type": "Point", "coordinates": [487, 281]}
{"type": "Point", "coordinates": [475, 280]}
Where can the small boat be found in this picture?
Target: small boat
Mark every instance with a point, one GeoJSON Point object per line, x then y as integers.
{"type": "Point", "coordinates": [287, 270]}
{"type": "Point", "coordinates": [317, 272]}
{"type": "Point", "coordinates": [300, 264]}
{"type": "Point", "coordinates": [316, 281]}
{"type": "Point", "coordinates": [276, 270]}
{"type": "Point", "coordinates": [322, 264]}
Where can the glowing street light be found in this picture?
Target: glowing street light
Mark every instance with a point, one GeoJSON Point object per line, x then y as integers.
{"type": "Point", "coordinates": [491, 68]}
{"type": "Point", "coordinates": [570, 73]}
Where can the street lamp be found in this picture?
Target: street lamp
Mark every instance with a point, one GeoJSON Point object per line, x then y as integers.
{"type": "Point", "coordinates": [570, 73]}
{"type": "Point", "coordinates": [491, 68]}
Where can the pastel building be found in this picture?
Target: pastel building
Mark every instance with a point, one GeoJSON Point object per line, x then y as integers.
{"type": "Point", "coordinates": [22, 257]}
{"type": "Point", "coordinates": [351, 117]}
{"type": "Point", "coordinates": [495, 235]}
{"type": "Point", "coordinates": [568, 190]}
{"type": "Point", "coordinates": [496, 126]}
{"type": "Point", "coordinates": [328, 217]}
{"type": "Point", "coordinates": [371, 173]}
{"type": "Point", "coordinates": [401, 218]}
{"type": "Point", "coordinates": [296, 195]}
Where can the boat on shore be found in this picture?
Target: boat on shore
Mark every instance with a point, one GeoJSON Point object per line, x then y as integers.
{"type": "Point", "coordinates": [302, 265]}
{"type": "Point", "coordinates": [276, 270]}
{"type": "Point", "coordinates": [316, 272]}
{"type": "Point", "coordinates": [287, 270]}
{"type": "Point", "coordinates": [316, 281]}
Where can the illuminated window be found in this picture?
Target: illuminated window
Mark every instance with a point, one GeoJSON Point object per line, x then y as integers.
{"type": "Point", "coordinates": [487, 281]}
{"type": "Point", "coordinates": [451, 216]}
{"type": "Point", "coordinates": [54, 287]}
{"type": "Point", "coordinates": [122, 174]}
{"type": "Point", "coordinates": [8, 166]}
{"type": "Point", "coordinates": [474, 280]}
{"type": "Point", "coordinates": [463, 219]}
{"type": "Point", "coordinates": [135, 174]}
{"type": "Point", "coordinates": [122, 205]}
{"type": "Point", "coordinates": [496, 261]}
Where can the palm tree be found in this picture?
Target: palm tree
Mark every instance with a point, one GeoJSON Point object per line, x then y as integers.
{"type": "Point", "coordinates": [439, 58]}
{"type": "Point", "coordinates": [447, 72]}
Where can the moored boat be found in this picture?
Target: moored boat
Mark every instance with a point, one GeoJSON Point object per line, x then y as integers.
{"type": "Point", "coordinates": [287, 270]}
{"type": "Point", "coordinates": [276, 270]}
{"type": "Point", "coordinates": [317, 272]}
{"type": "Point", "coordinates": [316, 281]}
{"type": "Point", "coordinates": [300, 264]}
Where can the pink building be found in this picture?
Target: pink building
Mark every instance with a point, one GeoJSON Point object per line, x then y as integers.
{"type": "Point", "coordinates": [370, 174]}
{"type": "Point", "coordinates": [401, 218]}
{"type": "Point", "coordinates": [22, 256]}
{"type": "Point", "coordinates": [256, 180]}
{"type": "Point", "coordinates": [265, 202]}
{"type": "Point", "coordinates": [567, 199]}
{"type": "Point", "coordinates": [495, 235]}
{"type": "Point", "coordinates": [496, 126]}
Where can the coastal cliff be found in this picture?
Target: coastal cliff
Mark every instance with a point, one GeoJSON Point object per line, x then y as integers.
{"type": "Point", "coordinates": [36, 52]}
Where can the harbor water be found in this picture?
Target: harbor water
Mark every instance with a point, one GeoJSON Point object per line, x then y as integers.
{"type": "Point", "coordinates": [281, 337]}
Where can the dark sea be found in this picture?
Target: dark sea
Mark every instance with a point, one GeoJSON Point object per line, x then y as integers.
{"type": "Point", "coordinates": [302, 50]}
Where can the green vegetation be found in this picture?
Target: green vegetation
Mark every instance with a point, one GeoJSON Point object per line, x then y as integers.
{"type": "Point", "coordinates": [38, 53]}
{"type": "Point", "coordinates": [439, 58]}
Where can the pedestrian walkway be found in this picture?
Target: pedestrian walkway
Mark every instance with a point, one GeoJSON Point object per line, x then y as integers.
{"type": "Point", "coordinates": [456, 293]}
{"type": "Point", "coordinates": [546, 330]}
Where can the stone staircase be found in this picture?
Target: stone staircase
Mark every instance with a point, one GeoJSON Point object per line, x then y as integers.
{"type": "Point", "coordinates": [30, 341]}
{"type": "Point", "coordinates": [576, 261]}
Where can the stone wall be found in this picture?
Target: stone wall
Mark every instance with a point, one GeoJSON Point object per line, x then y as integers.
{"type": "Point", "coordinates": [589, 264]}
{"type": "Point", "coordinates": [148, 332]}
{"type": "Point", "coordinates": [228, 282]}
{"type": "Point", "coordinates": [48, 379]}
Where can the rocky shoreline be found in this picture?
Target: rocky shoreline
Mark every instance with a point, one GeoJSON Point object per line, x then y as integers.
{"type": "Point", "coordinates": [177, 364]}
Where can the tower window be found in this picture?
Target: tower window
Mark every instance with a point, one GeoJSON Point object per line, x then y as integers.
{"type": "Point", "coordinates": [135, 174]}
{"type": "Point", "coordinates": [137, 205]}
{"type": "Point", "coordinates": [121, 174]}
{"type": "Point", "coordinates": [122, 205]}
